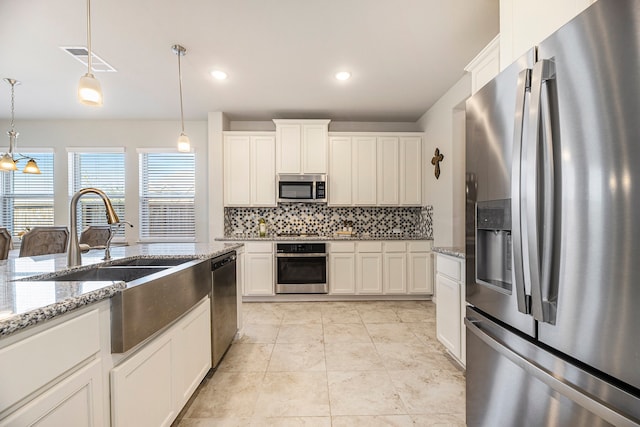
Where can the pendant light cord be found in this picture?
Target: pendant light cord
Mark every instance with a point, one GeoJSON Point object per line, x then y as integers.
{"type": "Point", "coordinates": [180, 81]}
{"type": "Point", "coordinates": [89, 36]}
{"type": "Point", "coordinates": [13, 104]}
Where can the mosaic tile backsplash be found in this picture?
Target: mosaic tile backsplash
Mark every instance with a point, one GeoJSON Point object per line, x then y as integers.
{"type": "Point", "coordinates": [325, 220]}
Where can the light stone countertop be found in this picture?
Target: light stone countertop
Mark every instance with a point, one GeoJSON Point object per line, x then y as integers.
{"type": "Point", "coordinates": [454, 251]}
{"type": "Point", "coordinates": [24, 303]}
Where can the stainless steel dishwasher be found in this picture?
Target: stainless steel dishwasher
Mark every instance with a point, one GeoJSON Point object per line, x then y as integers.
{"type": "Point", "coordinates": [224, 322]}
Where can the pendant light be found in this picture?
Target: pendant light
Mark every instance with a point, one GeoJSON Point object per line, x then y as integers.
{"type": "Point", "coordinates": [184, 145]}
{"type": "Point", "coordinates": [9, 159]}
{"type": "Point", "coordinates": [89, 90]}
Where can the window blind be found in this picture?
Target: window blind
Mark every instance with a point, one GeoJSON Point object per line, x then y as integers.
{"type": "Point", "coordinates": [167, 196]}
{"type": "Point", "coordinates": [27, 200]}
{"type": "Point", "coordinates": [102, 170]}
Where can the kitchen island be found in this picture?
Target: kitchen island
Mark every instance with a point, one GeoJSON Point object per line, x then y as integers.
{"type": "Point", "coordinates": [24, 303]}
{"type": "Point", "coordinates": [57, 364]}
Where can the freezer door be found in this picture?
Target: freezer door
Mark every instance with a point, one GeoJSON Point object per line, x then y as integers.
{"type": "Point", "coordinates": [513, 382]}
{"type": "Point", "coordinates": [493, 116]}
{"type": "Point", "coordinates": [593, 102]}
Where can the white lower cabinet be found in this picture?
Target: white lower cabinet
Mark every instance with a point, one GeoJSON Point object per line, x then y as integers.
{"type": "Point", "coordinates": [75, 401]}
{"type": "Point", "coordinates": [380, 268]}
{"type": "Point", "coordinates": [151, 386]}
{"type": "Point", "coordinates": [52, 374]}
{"type": "Point", "coordinates": [258, 279]}
{"type": "Point", "coordinates": [450, 305]}
{"type": "Point", "coordinates": [420, 268]}
{"type": "Point", "coordinates": [395, 268]}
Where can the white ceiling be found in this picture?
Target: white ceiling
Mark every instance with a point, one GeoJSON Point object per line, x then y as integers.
{"type": "Point", "coordinates": [280, 55]}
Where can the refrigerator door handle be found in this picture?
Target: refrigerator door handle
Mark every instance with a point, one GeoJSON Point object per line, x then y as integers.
{"type": "Point", "coordinates": [524, 86]}
{"type": "Point", "coordinates": [553, 380]}
{"type": "Point", "coordinates": [539, 254]}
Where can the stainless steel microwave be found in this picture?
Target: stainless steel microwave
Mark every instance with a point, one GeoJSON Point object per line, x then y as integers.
{"type": "Point", "coordinates": [302, 188]}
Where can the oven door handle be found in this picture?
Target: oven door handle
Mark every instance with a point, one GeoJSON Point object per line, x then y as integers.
{"type": "Point", "coordinates": [278, 255]}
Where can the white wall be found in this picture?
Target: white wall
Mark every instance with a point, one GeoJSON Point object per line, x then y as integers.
{"type": "Point", "coordinates": [59, 134]}
{"type": "Point", "coordinates": [443, 125]}
{"type": "Point", "coordinates": [525, 23]}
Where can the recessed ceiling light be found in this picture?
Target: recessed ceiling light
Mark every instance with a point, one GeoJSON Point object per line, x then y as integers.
{"type": "Point", "coordinates": [219, 75]}
{"type": "Point", "coordinates": [343, 75]}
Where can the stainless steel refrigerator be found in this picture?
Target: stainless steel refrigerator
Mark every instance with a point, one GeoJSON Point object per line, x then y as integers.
{"type": "Point", "coordinates": [553, 230]}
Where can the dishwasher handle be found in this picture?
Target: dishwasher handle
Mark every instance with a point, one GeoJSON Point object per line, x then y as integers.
{"type": "Point", "coordinates": [218, 264]}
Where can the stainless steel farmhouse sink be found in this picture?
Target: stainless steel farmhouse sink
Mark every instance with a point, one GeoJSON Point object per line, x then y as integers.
{"type": "Point", "coordinates": [159, 291]}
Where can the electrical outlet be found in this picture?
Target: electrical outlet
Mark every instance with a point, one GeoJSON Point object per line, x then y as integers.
{"type": "Point", "coordinates": [397, 230]}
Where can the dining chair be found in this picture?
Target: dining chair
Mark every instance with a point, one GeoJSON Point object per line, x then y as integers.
{"type": "Point", "coordinates": [44, 240]}
{"type": "Point", "coordinates": [95, 235]}
{"type": "Point", "coordinates": [5, 243]}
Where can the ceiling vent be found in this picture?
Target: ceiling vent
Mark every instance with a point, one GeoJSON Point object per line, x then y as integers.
{"type": "Point", "coordinates": [98, 65]}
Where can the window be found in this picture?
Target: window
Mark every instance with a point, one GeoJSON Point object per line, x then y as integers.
{"type": "Point", "coordinates": [167, 196]}
{"type": "Point", "coordinates": [102, 169]}
{"type": "Point", "coordinates": [27, 200]}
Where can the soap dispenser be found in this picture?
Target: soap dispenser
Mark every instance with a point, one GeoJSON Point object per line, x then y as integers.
{"type": "Point", "coordinates": [262, 227]}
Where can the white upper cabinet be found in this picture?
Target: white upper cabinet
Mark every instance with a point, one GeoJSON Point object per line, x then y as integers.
{"type": "Point", "coordinates": [339, 188]}
{"type": "Point", "coordinates": [485, 66]}
{"type": "Point", "coordinates": [375, 169]}
{"type": "Point", "coordinates": [410, 171]}
{"type": "Point", "coordinates": [301, 146]}
{"type": "Point", "coordinates": [249, 169]}
{"type": "Point", "coordinates": [388, 173]}
{"type": "Point", "coordinates": [364, 152]}
{"type": "Point", "coordinates": [525, 23]}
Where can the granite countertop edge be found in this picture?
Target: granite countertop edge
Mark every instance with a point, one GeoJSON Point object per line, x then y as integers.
{"type": "Point", "coordinates": [19, 321]}
{"type": "Point", "coordinates": [38, 315]}
{"type": "Point", "coordinates": [454, 251]}
{"type": "Point", "coordinates": [253, 238]}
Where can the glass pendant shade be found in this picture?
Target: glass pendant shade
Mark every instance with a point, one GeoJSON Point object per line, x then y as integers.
{"type": "Point", "coordinates": [89, 90]}
{"type": "Point", "coordinates": [184, 144]}
{"type": "Point", "coordinates": [31, 167]}
{"type": "Point", "coordinates": [7, 163]}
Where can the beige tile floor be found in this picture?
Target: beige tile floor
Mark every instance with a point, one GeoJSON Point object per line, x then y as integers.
{"type": "Point", "coordinates": [374, 363]}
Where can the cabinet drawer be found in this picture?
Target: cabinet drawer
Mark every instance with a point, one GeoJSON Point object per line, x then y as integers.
{"type": "Point", "coordinates": [342, 247]}
{"type": "Point", "coordinates": [424, 246]}
{"type": "Point", "coordinates": [31, 363]}
{"type": "Point", "coordinates": [395, 247]}
{"type": "Point", "coordinates": [369, 246]}
{"type": "Point", "coordinates": [257, 248]}
{"type": "Point", "coordinates": [449, 267]}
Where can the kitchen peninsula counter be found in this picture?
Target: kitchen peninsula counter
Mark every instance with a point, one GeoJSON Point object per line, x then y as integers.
{"type": "Point", "coordinates": [454, 251]}
{"type": "Point", "coordinates": [24, 303]}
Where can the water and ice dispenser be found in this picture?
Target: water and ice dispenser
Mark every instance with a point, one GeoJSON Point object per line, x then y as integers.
{"type": "Point", "coordinates": [493, 244]}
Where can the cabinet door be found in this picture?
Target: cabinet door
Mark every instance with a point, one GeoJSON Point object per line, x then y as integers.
{"type": "Point", "coordinates": [395, 273]}
{"type": "Point", "coordinates": [288, 148]}
{"type": "Point", "coordinates": [342, 273]}
{"type": "Point", "coordinates": [388, 187]}
{"type": "Point", "coordinates": [339, 189]}
{"type": "Point", "coordinates": [369, 273]}
{"type": "Point", "coordinates": [364, 170]}
{"type": "Point", "coordinates": [448, 313]}
{"type": "Point", "coordinates": [420, 273]}
{"type": "Point", "coordinates": [237, 170]}
{"type": "Point", "coordinates": [142, 388]}
{"type": "Point", "coordinates": [192, 348]}
{"type": "Point", "coordinates": [263, 171]}
{"type": "Point", "coordinates": [410, 171]}
{"type": "Point", "coordinates": [258, 277]}
{"type": "Point", "coordinates": [75, 401]}
{"type": "Point", "coordinates": [314, 148]}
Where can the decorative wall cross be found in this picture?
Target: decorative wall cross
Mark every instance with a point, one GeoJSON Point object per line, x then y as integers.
{"type": "Point", "coordinates": [437, 158]}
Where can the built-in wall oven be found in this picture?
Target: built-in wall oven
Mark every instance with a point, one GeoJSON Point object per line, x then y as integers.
{"type": "Point", "coordinates": [301, 268]}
